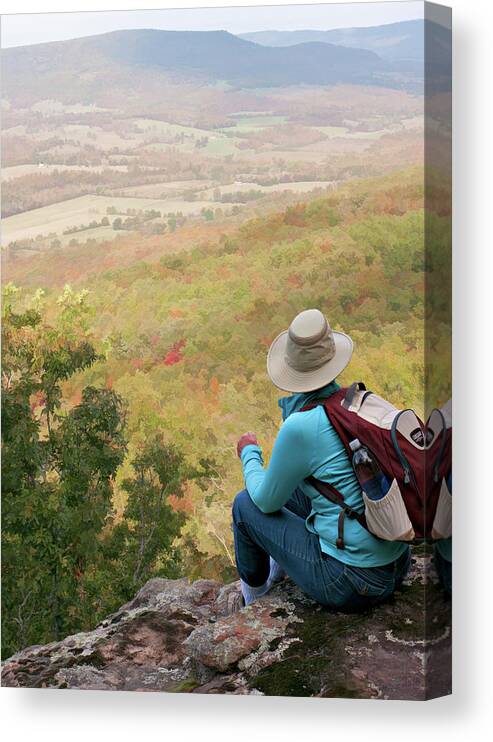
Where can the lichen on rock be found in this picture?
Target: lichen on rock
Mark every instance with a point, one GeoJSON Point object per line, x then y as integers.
{"type": "Point", "coordinates": [179, 637]}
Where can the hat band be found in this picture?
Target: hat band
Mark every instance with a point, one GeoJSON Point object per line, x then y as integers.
{"type": "Point", "coordinates": [304, 358]}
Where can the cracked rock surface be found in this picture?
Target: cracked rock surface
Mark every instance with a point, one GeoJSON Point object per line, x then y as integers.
{"type": "Point", "coordinates": [180, 637]}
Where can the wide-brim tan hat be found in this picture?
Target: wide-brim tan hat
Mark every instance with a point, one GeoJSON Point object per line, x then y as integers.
{"type": "Point", "coordinates": [309, 354]}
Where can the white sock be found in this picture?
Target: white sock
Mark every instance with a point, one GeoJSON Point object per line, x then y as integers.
{"type": "Point", "coordinates": [276, 573]}
{"type": "Point", "coordinates": [251, 594]}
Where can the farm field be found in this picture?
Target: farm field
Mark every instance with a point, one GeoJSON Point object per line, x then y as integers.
{"type": "Point", "coordinates": [53, 152]}
{"type": "Point", "coordinates": [246, 122]}
{"type": "Point", "coordinates": [58, 217]}
{"type": "Point", "coordinates": [238, 187]}
{"type": "Point", "coordinates": [214, 144]}
{"type": "Point", "coordinates": [165, 128]}
{"type": "Point", "coordinates": [155, 190]}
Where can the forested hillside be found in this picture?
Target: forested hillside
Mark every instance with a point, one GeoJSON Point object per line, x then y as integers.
{"type": "Point", "coordinates": [137, 54]}
{"type": "Point", "coordinates": [125, 393]}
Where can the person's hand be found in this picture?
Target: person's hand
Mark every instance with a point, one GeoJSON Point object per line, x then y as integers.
{"type": "Point", "coordinates": [247, 439]}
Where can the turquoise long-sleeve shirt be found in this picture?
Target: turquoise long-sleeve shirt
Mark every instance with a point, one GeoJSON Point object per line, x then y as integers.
{"type": "Point", "coordinates": [307, 443]}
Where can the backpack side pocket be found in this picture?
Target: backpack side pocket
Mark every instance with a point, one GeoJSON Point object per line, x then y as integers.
{"type": "Point", "coordinates": [442, 524]}
{"type": "Point", "coordinates": [387, 518]}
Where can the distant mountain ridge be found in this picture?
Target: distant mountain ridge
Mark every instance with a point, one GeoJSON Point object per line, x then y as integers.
{"type": "Point", "coordinates": [223, 56]}
{"type": "Point", "coordinates": [393, 42]}
{"type": "Point", "coordinates": [125, 57]}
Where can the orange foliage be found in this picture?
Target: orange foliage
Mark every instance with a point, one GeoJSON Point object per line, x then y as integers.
{"type": "Point", "coordinates": [181, 504]}
{"type": "Point", "coordinates": [294, 280]}
{"type": "Point", "coordinates": [295, 215]}
{"type": "Point", "coordinates": [222, 272]}
{"type": "Point", "coordinates": [214, 385]}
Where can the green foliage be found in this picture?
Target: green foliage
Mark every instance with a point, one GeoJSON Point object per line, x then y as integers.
{"type": "Point", "coordinates": [61, 564]}
{"type": "Point", "coordinates": [58, 467]}
{"type": "Point", "coordinates": [141, 544]}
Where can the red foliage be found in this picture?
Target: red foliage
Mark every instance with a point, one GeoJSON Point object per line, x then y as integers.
{"type": "Point", "coordinates": [175, 355]}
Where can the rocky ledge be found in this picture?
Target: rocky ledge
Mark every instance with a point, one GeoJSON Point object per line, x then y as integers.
{"type": "Point", "coordinates": [180, 637]}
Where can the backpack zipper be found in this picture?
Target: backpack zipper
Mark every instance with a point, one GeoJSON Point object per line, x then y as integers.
{"type": "Point", "coordinates": [409, 476]}
{"type": "Point", "coordinates": [438, 459]}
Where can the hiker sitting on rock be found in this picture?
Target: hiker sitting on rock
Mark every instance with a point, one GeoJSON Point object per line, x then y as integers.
{"type": "Point", "coordinates": [283, 525]}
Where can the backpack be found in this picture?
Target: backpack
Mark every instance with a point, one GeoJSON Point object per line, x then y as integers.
{"type": "Point", "coordinates": [413, 460]}
{"type": "Point", "coordinates": [438, 447]}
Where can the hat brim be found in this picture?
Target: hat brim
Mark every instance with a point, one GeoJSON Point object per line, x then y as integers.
{"type": "Point", "coordinates": [290, 380]}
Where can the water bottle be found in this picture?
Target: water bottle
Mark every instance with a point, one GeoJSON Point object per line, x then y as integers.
{"type": "Point", "coordinates": [373, 481]}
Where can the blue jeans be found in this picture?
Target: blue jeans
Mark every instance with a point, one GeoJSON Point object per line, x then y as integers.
{"type": "Point", "coordinates": [284, 536]}
{"type": "Point", "coordinates": [444, 571]}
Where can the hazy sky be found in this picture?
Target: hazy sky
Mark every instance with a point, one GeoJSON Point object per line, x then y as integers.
{"type": "Point", "coordinates": [23, 29]}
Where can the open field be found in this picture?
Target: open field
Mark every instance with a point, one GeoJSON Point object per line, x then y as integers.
{"type": "Point", "coordinates": [214, 144]}
{"type": "Point", "coordinates": [155, 190]}
{"type": "Point", "coordinates": [339, 132]}
{"type": "Point", "coordinates": [294, 158]}
{"type": "Point", "coordinates": [156, 127]}
{"type": "Point", "coordinates": [49, 107]}
{"type": "Point", "coordinates": [245, 123]}
{"type": "Point", "coordinates": [239, 187]}
{"type": "Point", "coordinates": [81, 211]}
{"type": "Point", "coordinates": [100, 234]}
{"type": "Point", "coordinates": [55, 219]}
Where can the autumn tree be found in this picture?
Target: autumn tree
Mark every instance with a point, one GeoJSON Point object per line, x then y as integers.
{"type": "Point", "coordinates": [58, 467]}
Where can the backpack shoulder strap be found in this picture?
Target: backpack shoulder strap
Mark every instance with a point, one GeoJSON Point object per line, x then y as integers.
{"type": "Point", "coordinates": [356, 386]}
{"type": "Point", "coordinates": [326, 489]}
{"type": "Point", "coordinates": [332, 494]}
